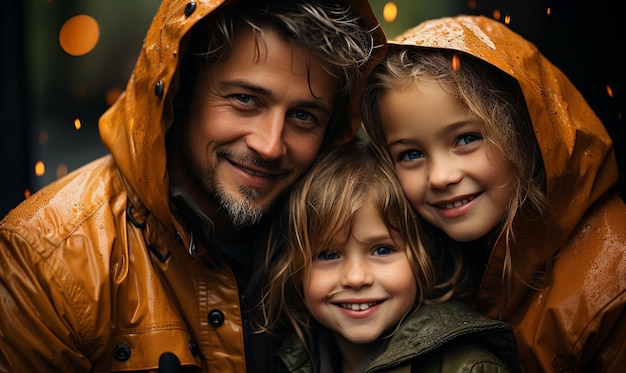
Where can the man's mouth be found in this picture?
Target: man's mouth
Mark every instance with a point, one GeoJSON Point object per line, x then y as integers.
{"type": "Point", "coordinates": [253, 172]}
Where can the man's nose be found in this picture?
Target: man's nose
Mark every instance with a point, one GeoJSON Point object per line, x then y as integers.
{"type": "Point", "coordinates": [266, 139]}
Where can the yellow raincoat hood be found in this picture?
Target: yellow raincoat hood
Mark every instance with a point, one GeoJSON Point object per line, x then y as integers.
{"type": "Point", "coordinates": [134, 128]}
{"type": "Point", "coordinates": [577, 255]}
{"type": "Point", "coordinates": [577, 151]}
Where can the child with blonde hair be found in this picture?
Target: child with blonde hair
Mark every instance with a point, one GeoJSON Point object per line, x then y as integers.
{"type": "Point", "coordinates": [359, 288]}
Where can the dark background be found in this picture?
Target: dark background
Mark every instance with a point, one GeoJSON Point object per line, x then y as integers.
{"type": "Point", "coordinates": [44, 89]}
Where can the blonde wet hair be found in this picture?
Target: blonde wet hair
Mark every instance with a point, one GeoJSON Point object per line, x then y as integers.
{"type": "Point", "coordinates": [320, 213]}
{"type": "Point", "coordinates": [492, 97]}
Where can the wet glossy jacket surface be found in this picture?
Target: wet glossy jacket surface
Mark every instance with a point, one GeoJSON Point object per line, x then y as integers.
{"type": "Point", "coordinates": [575, 321]}
{"type": "Point", "coordinates": [95, 273]}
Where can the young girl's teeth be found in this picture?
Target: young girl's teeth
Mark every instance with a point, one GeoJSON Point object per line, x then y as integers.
{"type": "Point", "coordinates": [358, 306]}
{"type": "Point", "coordinates": [457, 203]}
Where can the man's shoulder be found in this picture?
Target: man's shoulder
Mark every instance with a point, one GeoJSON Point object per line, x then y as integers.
{"type": "Point", "coordinates": [68, 207]}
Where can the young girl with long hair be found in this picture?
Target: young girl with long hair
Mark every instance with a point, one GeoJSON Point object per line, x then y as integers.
{"type": "Point", "coordinates": [506, 163]}
{"type": "Point", "coordinates": [358, 286]}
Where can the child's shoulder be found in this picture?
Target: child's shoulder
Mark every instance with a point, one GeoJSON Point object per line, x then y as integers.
{"type": "Point", "coordinates": [439, 320]}
{"type": "Point", "coordinates": [458, 336]}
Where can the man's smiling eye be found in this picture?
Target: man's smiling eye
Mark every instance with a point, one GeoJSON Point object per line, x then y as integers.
{"type": "Point", "coordinates": [243, 98]}
{"type": "Point", "coordinates": [302, 115]}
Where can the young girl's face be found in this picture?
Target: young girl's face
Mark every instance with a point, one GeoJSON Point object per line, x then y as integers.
{"type": "Point", "coordinates": [369, 280]}
{"type": "Point", "coordinates": [454, 178]}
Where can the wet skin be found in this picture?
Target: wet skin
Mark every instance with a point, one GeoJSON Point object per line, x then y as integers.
{"type": "Point", "coordinates": [255, 124]}
{"type": "Point", "coordinates": [370, 281]}
{"type": "Point", "coordinates": [453, 177]}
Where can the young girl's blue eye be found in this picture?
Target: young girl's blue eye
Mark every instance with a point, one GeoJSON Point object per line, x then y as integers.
{"type": "Point", "coordinates": [468, 139]}
{"type": "Point", "coordinates": [383, 250]}
{"type": "Point", "coordinates": [327, 255]}
{"type": "Point", "coordinates": [411, 155]}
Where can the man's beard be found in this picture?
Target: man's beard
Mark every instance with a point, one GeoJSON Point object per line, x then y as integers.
{"type": "Point", "coordinates": [243, 212]}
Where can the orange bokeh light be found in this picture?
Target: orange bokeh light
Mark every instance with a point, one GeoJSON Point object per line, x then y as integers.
{"type": "Point", "coordinates": [61, 170]}
{"type": "Point", "coordinates": [43, 137]}
{"type": "Point", "coordinates": [40, 168]}
{"type": "Point", "coordinates": [79, 35]}
{"type": "Point", "coordinates": [112, 95]}
{"type": "Point", "coordinates": [390, 12]}
{"type": "Point", "coordinates": [456, 62]}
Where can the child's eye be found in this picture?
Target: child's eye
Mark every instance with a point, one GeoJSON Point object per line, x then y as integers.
{"type": "Point", "coordinates": [468, 139]}
{"type": "Point", "coordinates": [327, 255]}
{"type": "Point", "coordinates": [410, 155]}
{"type": "Point", "coordinates": [383, 251]}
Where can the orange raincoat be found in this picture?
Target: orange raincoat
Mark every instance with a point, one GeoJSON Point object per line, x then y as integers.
{"type": "Point", "coordinates": [575, 321]}
{"type": "Point", "coordinates": [84, 285]}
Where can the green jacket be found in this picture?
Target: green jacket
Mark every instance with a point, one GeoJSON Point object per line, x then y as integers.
{"type": "Point", "coordinates": [447, 337]}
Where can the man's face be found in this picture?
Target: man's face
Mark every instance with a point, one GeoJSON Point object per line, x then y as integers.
{"type": "Point", "coordinates": [256, 122]}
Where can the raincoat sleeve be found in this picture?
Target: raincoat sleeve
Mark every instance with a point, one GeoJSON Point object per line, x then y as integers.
{"type": "Point", "coordinates": [37, 334]}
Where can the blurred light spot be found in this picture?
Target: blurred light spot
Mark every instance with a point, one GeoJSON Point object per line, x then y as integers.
{"type": "Point", "coordinates": [40, 168]}
{"type": "Point", "coordinates": [471, 4]}
{"type": "Point", "coordinates": [609, 90]}
{"type": "Point", "coordinates": [548, 11]}
{"type": "Point", "coordinates": [77, 124]}
{"type": "Point", "coordinates": [507, 20]}
{"type": "Point", "coordinates": [79, 35]}
{"type": "Point", "coordinates": [390, 12]}
{"type": "Point", "coordinates": [61, 170]}
{"type": "Point", "coordinates": [496, 14]}
{"type": "Point", "coordinates": [456, 63]}
{"type": "Point", "coordinates": [80, 90]}
{"type": "Point", "coordinates": [112, 95]}
{"type": "Point", "coordinates": [26, 193]}
{"type": "Point", "coordinates": [43, 137]}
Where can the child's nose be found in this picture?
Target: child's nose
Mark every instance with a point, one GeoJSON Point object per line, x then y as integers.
{"type": "Point", "coordinates": [442, 174]}
{"type": "Point", "coordinates": [356, 274]}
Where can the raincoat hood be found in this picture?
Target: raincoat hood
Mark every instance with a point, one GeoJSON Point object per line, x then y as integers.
{"type": "Point", "coordinates": [577, 151]}
{"type": "Point", "coordinates": [134, 128]}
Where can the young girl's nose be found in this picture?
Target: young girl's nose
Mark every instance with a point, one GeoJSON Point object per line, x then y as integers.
{"type": "Point", "coordinates": [356, 274]}
{"type": "Point", "coordinates": [442, 174]}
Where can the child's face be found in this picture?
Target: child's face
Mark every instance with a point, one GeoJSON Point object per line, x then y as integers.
{"type": "Point", "coordinates": [370, 280]}
{"type": "Point", "coordinates": [453, 177]}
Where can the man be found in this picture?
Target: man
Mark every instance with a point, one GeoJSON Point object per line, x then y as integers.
{"type": "Point", "coordinates": [158, 248]}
